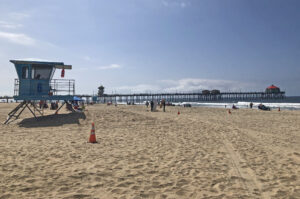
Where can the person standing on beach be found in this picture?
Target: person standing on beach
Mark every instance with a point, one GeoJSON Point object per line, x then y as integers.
{"type": "Point", "coordinates": [147, 104]}
{"type": "Point", "coordinates": [251, 104]}
{"type": "Point", "coordinates": [152, 105]}
{"type": "Point", "coordinates": [164, 105]}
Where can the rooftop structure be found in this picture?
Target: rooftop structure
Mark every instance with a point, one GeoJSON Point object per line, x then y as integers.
{"type": "Point", "coordinates": [273, 89]}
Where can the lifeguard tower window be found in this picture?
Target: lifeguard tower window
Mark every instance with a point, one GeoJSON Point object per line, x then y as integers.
{"type": "Point", "coordinates": [25, 72]}
{"type": "Point", "coordinates": [41, 71]}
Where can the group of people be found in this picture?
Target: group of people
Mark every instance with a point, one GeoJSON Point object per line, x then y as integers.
{"type": "Point", "coordinates": [260, 106]}
{"type": "Point", "coordinates": [162, 104]}
{"type": "Point", "coordinates": [78, 106]}
{"type": "Point", "coordinates": [44, 105]}
{"type": "Point", "coordinates": [54, 105]}
{"type": "Point", "coordinates": [153, 105]}
{"type": "Point", "coordinates": [235, 107]}
{"type": "Point", "coordinates": [263, 107]}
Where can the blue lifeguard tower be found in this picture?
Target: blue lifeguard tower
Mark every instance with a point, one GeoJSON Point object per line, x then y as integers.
{"type": "Point", "coordinates": [35, 83]}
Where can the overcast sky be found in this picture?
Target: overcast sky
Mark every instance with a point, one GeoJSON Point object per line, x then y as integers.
{"type": "Point", "coordinates": [156, 45]}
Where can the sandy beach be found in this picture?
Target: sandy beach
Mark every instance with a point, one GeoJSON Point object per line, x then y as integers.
{"type": "Point", "coordinates": [201, 153]}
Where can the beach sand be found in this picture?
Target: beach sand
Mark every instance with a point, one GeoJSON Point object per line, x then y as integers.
{"type": "Point", "coordinates": [201, 153]}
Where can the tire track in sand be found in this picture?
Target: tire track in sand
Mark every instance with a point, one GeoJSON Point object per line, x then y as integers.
{"type": "Point", "coordinates": [241, 170]}
{"type": "Point", "coordinates": [246, 175]}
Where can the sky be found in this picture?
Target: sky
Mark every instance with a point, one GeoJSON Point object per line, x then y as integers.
{"type": "Point", "coordinates": [132, 46]}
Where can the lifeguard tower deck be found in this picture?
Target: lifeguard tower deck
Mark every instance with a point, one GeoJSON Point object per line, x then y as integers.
{"type": "Point", "coordinates": [35, 83]}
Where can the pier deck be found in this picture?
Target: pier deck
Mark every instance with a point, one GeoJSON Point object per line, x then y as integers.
{"type": "Point", "coordinates": [191, 97]}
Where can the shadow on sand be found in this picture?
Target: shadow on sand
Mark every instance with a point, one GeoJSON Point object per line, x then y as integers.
{"type": "Point", "coordinates": [52, 120]}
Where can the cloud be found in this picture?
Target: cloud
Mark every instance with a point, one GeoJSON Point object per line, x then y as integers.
{"type": "Point", "coordinates": [34, 59]}
{"type": "Point", "coordinates": [18, 38]}
{"type": "Point", "coordinates": [87, 58]}
{"type": "Point", "coordinates": [141, 88]}
{"type": "Point", "coordinates": [176, 3]}
{"type": "Point", "coordinates": [13, 20]}
{"type": "Point", "coordinates": [23, 39]}
{"type": "Point", "coordinates": [192, 84]}
{"type": "Point", "coordinates": [18, 15]}
{"type": "Point", "coordinates": [9, 25]}
{"type": "Point", "coordinates": [81, 69]}
{"type": "Point", "coordinates": [112, 66]}
{"type": "Point", "coordinates": [189, 85]}
{"type": "Point", "coordinates": [165, 3]}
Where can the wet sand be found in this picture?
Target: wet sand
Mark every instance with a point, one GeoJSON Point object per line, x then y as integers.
{"type": "Point", "coordinates": [201, 153]}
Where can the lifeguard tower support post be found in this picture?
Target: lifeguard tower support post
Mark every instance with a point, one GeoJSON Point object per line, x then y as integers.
{"type": "Point", "coordinates": [35, 83]}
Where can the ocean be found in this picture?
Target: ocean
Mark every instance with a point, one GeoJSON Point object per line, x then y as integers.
{"type": "Point", "coordinates": [288, 103]}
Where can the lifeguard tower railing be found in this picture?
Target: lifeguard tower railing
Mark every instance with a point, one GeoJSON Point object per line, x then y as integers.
{"type": "Point", "coordinates": [60, 89]}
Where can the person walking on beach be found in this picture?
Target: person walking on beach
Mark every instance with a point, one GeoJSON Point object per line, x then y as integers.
{"type": "Point", "coordinates": [163, 105]}
{"type": "Point", "coordinates": [147, 104]}
{"type": "Point", "coordinates": [152, 105]}
{"type": "Point", "coordinates": [251, 104]}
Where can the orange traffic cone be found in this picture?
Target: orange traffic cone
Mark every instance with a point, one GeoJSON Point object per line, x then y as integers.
{"type": "Point", "coordinates": [178, 113]}
{"type": "Point", "coordinates": [229, 112]}
{"type": "Point", "coordinates": [93, 135]}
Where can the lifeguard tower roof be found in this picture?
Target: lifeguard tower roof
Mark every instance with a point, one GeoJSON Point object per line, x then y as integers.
{"type": "Point", "coordinates": [35, 81]}
{"type": "Point", "coordinates": [59, 65]}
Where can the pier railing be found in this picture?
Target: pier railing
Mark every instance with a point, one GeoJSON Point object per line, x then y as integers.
{"type": "Point", "coordinates": [191, 97]}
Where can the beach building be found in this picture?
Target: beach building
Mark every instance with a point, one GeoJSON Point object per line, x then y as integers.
{"type": "Point", "coordinates": [205, 92]}
{"type": "Point", "coordinates": [273, 89]}
{"type": "Point", "coordinates": [35, 83]}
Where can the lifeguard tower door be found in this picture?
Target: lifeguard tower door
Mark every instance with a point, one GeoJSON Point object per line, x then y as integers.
{"type": "Point", "coordinates": [41, 76]}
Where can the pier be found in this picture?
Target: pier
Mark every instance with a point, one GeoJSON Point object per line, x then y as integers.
{"type": "Point", "coordinates": [7, 98]}
{"type": "Point", "coordinates": [190, 97]}
{"type": "Point", "coordinates": [271, 93]}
